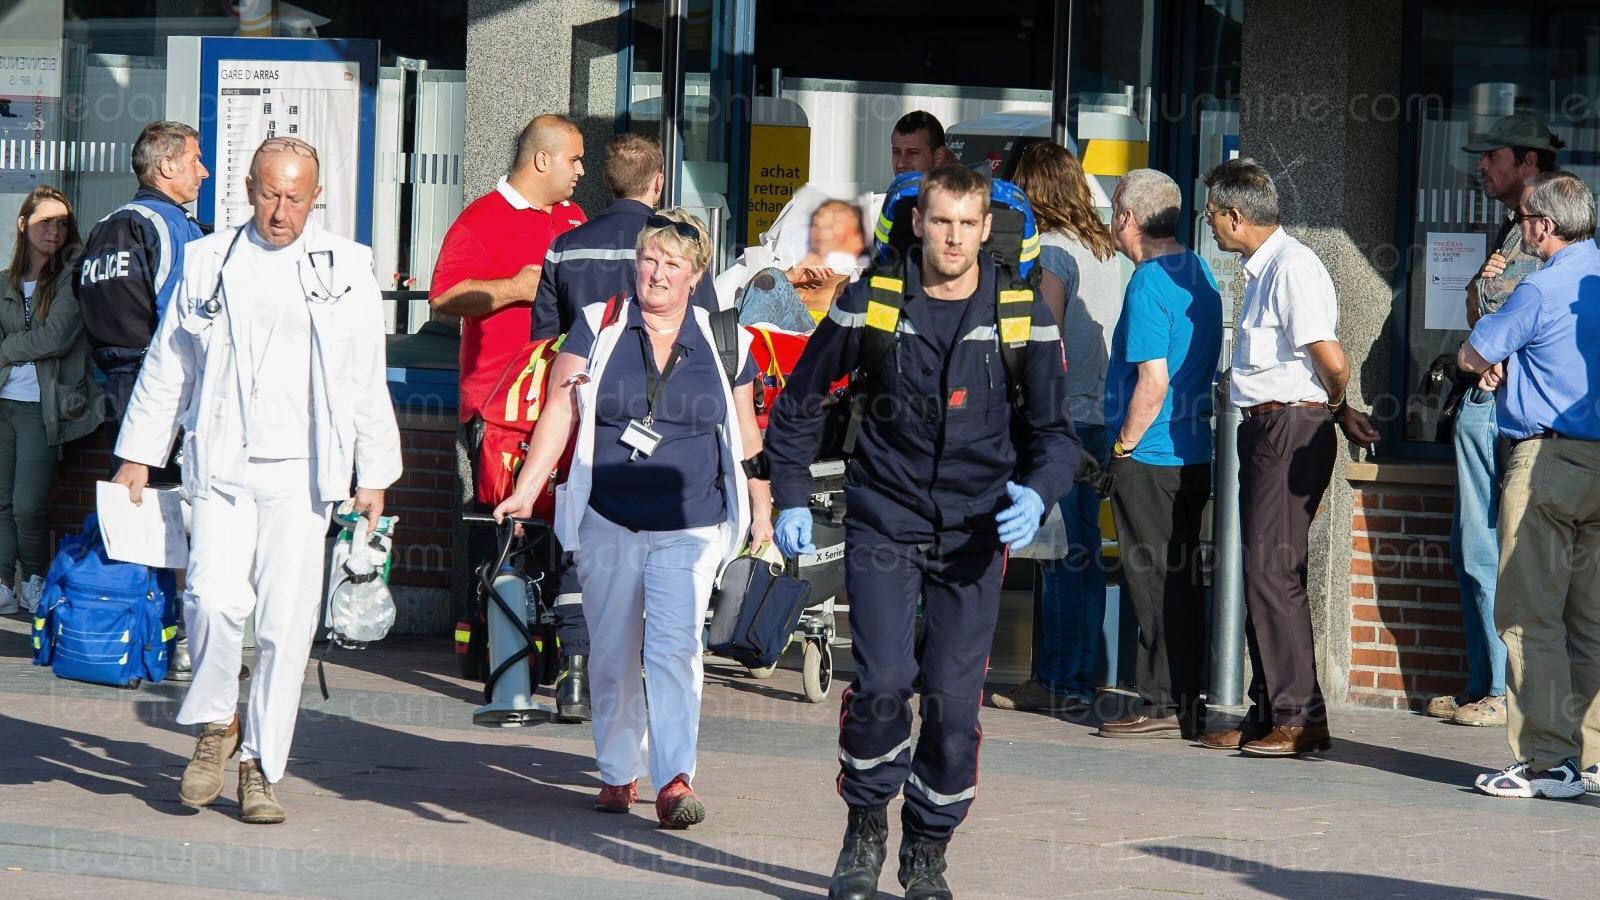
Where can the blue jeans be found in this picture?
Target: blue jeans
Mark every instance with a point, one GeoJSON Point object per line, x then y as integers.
{"type": "Point", "coordinates": [1475, 541]}
{"type": "Point", "coordinates": [1073, 603]}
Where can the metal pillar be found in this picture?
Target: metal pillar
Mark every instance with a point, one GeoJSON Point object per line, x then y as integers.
{"type": "Point", "coordinates": [1227, 579]}
{"type": "Point", "coordinates": [1060, 72]}
{"type": "Point", "coordinates": [673, 26]}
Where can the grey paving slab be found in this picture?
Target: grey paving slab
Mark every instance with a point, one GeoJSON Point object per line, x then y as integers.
{"type": "Point", "coordinates": [394, 793]}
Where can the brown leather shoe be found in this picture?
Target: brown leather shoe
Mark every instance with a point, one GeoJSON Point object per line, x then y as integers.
{"type": "Point", "coordinates": [1289, 740]}
{"type": "Point", "coordinates": [1137, 725]}
{"type": "Point", "coordinates": [1222, 740]}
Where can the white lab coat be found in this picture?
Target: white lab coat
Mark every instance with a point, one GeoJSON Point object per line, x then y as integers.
{"type": "Point", "coordinates": [192, 376]}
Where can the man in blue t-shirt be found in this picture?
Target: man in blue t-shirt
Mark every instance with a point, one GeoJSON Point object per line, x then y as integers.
{"type": "Point", "coordinates": [1164, 353]}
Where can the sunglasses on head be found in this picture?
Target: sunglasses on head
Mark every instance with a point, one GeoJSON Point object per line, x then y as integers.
{"type": "Point", "coordinates": [684, 229]}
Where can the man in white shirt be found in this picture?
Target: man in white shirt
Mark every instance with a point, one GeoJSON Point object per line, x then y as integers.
{"type": "Point", "coordinates": [1289, 377]}
{"type": "Point", "coordinates": [271, 357]}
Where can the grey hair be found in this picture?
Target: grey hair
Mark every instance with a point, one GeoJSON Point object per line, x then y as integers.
{"type": "Point", "coordinates": [1243, 184]}
{"type": "Point", "coordinates": [159, 141]}
{"type": "Point", "coordinates": [1153, 198]}
{"type": "Point", "coordinates": [1564, 199]}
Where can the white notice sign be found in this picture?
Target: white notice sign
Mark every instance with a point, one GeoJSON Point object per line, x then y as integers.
{"type": "Point", "coordinates": [318, 102]}
{"type": "Point", "coordinates": [1452, 261]}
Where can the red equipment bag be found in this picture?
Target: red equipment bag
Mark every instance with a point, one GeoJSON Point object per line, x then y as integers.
{"type": "Point", "coordinates": [775, 352]}
{"type": "Point", "coordinates": [508, 419]}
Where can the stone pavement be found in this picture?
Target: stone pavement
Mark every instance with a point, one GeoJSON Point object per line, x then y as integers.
{"type": "Point", "coordinates": [394, 793]}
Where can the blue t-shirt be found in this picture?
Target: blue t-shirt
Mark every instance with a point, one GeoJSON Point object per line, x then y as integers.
{"type": "Point", "coordinates": [680, 484]}
{"type": "Point", "coordinates": [1171, 311]}
{"type": "Point", "coordinates": [1548, 335]}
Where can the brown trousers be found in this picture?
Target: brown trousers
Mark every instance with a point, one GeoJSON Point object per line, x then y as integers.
{"type": "Point", "coordinates": [1285, 462]}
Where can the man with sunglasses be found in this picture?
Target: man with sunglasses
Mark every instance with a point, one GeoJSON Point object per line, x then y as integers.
{"type": "Point", "coordinates": [1514, 150]}
{"type": "Point", "coordinates": [1540, 354]}
{"type": "Point", "coordinates": [1289, 377]}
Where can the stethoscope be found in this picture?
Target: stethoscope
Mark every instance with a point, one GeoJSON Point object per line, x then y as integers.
{"type": "Point", "coordinates": [323, 275]}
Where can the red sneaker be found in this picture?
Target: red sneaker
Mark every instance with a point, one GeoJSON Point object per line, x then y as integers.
{"type": "Point", "coordinates": [617, 798]}
{"type": "Point", "coordinates": [677, 806]}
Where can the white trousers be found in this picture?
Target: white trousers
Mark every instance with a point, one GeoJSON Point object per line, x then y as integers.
{"type": "Point", "coordinates": [645, 592]}
{"type": "Point", "coordinates": [255, 547]}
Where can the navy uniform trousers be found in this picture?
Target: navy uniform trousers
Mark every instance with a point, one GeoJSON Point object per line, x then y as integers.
{"type": "Point", "coordinates": [957, 576]}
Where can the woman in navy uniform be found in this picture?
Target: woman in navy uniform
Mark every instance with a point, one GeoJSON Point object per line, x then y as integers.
{"type": "Point", "coordinates": [947, 470]}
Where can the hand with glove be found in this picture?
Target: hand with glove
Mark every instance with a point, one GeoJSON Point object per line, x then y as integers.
{"type": "Point", "coordinates": [792, 533]}
{"type": "Point", "coordinates": [1020, 521]}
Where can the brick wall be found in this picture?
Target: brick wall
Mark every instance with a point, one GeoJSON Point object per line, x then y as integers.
{"type": "Point", "coordinates": [422, 499]}
{"type": "Point", "coordinates": [1405, 612]}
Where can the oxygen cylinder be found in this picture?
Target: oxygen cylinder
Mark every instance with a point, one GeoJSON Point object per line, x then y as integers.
{"type": "Point", "coordinates": [512, 699]}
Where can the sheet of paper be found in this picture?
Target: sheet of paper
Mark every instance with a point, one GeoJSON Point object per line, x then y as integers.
{"type": "Point", "coordinates": [154, 533]}
{"type": "Point", "coordinates": [1452, 261]}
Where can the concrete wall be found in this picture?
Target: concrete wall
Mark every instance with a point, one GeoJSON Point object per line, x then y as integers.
{"type": "Point", "coordinates": [526, 57]}
{"type": "Point", "coordinates": [1309, 116]}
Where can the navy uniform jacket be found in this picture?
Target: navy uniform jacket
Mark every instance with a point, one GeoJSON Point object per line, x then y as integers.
{"type": "Point", "coordinates": [939, 440]}
{"type": "Point", "coordinates": [131, 264]}
{"type": "Point", "coordinates": [595, 261]}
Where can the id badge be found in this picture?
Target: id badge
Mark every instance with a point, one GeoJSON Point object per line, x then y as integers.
{"type": "Point", "coordinates": [640, 439]}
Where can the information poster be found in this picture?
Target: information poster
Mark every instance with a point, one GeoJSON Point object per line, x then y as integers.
{"type": "Point", "coordinates": [780, 163]}
{"type": "Point", "coordinates": [318, 102]}
{"type": "Point", "coordinates": [1453, 260]}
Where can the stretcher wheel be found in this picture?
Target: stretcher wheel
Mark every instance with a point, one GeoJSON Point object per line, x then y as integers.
{"type": "Point", "coordinates": [763, 673]}
{"type": "Point", "coordinates": [817, 670]}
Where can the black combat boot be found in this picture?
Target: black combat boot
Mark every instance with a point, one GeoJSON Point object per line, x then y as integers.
{"type": "Point", "coordinates": [572, 690]}
{"type": "Point", "coordinates": [866, 838]}
{"type": "Point", "coordinates": [922, 869]}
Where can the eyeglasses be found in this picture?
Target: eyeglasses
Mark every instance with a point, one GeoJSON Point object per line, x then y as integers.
{"type": "Point", "coordinates": [1518, 217]}
{"type": "Point", "coordinates": [292, 145]}
{"type": "Point", "coordinates": [684, 229]}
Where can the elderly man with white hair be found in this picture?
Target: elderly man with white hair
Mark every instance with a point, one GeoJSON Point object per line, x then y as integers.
{"type": "Point", "coordinates": [1158, 401]}
{"type": "Point", "coordinates": [271, 358]}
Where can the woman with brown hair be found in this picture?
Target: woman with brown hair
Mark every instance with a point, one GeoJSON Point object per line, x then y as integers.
{"type": "Point", "coordinates": [46, 392]}
{"type": "Point", "coordinates": [1082, 284]}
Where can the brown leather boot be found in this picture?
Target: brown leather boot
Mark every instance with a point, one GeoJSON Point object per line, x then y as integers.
{"type": "Point", "coordinates": [257, 803]}
{"type": "Point", "coordinates": [202, 777]}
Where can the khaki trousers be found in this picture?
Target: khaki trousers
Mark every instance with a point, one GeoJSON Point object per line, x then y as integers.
{"type": "Point", "coordinates": [1547, 604]}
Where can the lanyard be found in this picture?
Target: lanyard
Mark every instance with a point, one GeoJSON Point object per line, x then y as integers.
{"type": "Point", "coordinates": [653, 381]}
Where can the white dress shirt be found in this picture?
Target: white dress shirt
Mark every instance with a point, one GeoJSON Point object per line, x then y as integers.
{"type": "Point", "coordinates": [276, 328]}
{"type": "Point", "coordinates": [1289, 303]}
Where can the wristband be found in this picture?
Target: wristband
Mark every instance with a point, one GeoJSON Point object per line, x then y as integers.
{"type": "Point", "coordinates": [758, 466]}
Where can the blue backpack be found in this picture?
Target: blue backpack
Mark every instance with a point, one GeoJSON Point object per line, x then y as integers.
{"type": "Point", "coordinates": [104, 621]}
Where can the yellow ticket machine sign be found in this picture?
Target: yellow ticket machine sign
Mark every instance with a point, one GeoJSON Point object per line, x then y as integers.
{"type": "Point", "coordinates": [780, 163]}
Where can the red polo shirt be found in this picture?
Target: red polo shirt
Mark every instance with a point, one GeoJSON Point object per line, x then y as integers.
{"type": "Point", "coordinates": [493, 238]}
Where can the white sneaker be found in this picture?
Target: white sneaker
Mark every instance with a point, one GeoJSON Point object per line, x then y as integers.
{"type": "Point", "coordinates": [1519, 780]}
{"type": "Point", "coordinates": [8, 602]}
{"type": "Point", "coordinates": [1591, 779]}
{"type": "Point", "coordinates": [32, 590]}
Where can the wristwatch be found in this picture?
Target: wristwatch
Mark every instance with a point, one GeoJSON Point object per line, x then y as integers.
{"type": "Point", "coordinates": [1117, 448]}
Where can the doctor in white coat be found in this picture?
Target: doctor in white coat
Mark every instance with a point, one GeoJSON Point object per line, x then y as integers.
{"type": "Point", "coordinates": [271, 358]}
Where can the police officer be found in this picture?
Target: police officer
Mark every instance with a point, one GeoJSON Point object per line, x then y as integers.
{"type": "Point", "coordinates": [951, 464]}
{"type": "Point", "coordinates": [131, 264]}
{"type": "Point", "coordinates": [133, 259]}
{"type": "Point", "coordinates": [595, 261]}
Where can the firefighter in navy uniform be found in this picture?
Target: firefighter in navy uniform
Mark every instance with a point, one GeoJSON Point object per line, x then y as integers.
{"type": "Point", "coordinates": [955, 458]}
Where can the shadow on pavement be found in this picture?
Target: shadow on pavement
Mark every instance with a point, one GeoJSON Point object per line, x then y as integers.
{"type": "Point", "coordinates": [1277, 881]}
{"type": "Point", "coordinates": [527, 790]}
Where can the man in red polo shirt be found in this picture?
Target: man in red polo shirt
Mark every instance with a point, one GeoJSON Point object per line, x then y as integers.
{"type": "Point", "coordinates": [488, 275]}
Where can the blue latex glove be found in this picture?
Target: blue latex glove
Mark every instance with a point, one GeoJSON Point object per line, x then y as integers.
{"type": "Point", "coordinates": [1020, 521]}
{"type": "Point", "coordinates": [792, 533]}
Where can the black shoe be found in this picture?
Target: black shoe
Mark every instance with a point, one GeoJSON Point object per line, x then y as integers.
{"type": "Point", "coordinates": [922, 869]}
{"type": "Point", "coordinates": [866, 839]}
{"type": "Point", "coordinates": [572, 690]}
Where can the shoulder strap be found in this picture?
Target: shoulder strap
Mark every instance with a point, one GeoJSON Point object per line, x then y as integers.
{"type": "Point", "coordinates": [886, 301]}
{"type": "Point", "coordinates": [1013, 325]}
{"type": "Point", "coordinates": [725, 334]}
